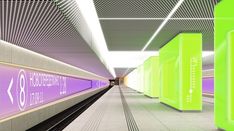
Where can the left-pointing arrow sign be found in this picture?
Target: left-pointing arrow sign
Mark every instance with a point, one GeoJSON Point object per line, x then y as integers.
{"type": "Point", "coordinates": [9, 90]}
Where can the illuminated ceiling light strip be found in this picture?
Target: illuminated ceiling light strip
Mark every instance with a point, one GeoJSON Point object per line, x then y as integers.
{"type": "Point", "coordinates": [163, 24]}
{"type": "Point", "coordinates": [156, 18]}
{"type": "Point", "coordinates": [99, 45]}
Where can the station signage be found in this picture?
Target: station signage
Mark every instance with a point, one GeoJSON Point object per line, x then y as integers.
{"type": "Point", "coordinates": [22, 89]}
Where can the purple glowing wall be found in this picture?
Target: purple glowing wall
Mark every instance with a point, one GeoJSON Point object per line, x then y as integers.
{"type": "Point", "coordinates": [208, 85]}
{"type": "Point", "coordinates": [97, 84]}
{"type": "Point", "coordinates": [24, 89]}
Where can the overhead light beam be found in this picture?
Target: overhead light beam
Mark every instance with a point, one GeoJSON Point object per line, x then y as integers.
{"type": "Point", "coordinates": [163, 24]}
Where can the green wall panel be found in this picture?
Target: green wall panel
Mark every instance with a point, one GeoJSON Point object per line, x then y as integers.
{"type": "Point", "coordinates": [151, 77]}
{"type": "Point", "coordinates": [181, 72]}
{"type": "Point", "coordinates": [224, 52]}
{"type": "Point", "coordinates": [147, 81]}
{"type": "Point", "coordinates": [231, 83]}
{"type": "Point", "coordinates": [141, 78]}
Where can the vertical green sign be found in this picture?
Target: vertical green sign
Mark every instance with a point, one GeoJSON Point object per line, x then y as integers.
{"type": "Point", "coordinates": [181, 72]}
{"type": "Point", "coordinates": [224, 52]}
{"type": "Point", "coordinates": [151, 77]}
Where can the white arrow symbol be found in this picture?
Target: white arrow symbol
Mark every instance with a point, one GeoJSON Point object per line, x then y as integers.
{"type": "Point", "coordinates": [9, 90]}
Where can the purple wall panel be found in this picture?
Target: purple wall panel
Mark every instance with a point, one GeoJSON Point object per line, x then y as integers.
{"type": "Point", "coordinates": [23, 89]}
{"type": "Point", "coordinates": [208, 85]}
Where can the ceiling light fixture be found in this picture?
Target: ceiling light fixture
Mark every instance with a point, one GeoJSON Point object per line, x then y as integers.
{"type": "Point", "coordinates": [163, 24]}
{"type": "Point", "coordinates": [98, 43]}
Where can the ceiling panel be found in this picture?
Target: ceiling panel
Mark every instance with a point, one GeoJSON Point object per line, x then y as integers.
{"type": "Point", "coordinates": [134, 8]}
{"type": "Point", "coordinates": [175, 27]}
{"type": "Point", "coordinates": [41, 27]}
{"type": "Point", "coordinates": [196, 9]}
{"type": "Point", "coordinates": [191, 16]}
{"type": "Point", "coordinates": [123, 35]}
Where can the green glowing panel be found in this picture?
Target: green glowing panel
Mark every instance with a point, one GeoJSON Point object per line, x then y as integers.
{"type": "Point", "coordinates": [138, 85]}
{"type": "Point", "coordinates": [141, 78]}
{"type": "Point", "coordinates": [151, 77]}
{"type": "Point", "coordinates": [224, 52]}
{"type": "Point", "coordinates": [181, 72]}
{"type": "Point", "coordinates": [231, 77]}
{"type": "Point", "coordinates": [147, 71]}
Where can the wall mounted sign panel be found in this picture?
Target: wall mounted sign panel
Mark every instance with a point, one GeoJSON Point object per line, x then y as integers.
{"type": "Point", "coordinates": [224, 52]}
{"type": "Point", "coordinates": [23, 89]}
{"type": "Point", "coordinates": [181, 72]}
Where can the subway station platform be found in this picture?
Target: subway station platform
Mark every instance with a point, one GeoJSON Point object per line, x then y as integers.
{"type": "Point", "coordinates": [123, 109]}
{"type": "Point", "coordinates": [116, 65]}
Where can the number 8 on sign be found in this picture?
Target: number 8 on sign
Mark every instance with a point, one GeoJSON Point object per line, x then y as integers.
{"type": "Point", "coordinates": [21, 90]}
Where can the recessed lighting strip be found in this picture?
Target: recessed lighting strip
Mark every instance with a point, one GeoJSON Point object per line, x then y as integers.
{"type": "Point", "coordinates": [99, 45]}
{"type": "Point", "coordinates": [163, 24]}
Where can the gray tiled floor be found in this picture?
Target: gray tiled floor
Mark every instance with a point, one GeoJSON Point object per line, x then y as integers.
{"type": "Point", "coordinates": [107, 114]}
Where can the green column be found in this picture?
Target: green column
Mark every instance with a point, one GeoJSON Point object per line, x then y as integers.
{"type": "Point", "coordinates": [151, 77]}
{"type": "Point", "coordinates": [224, 52]}
{"type": "Point", "coordinates": [230, 79]}
{"type": "Point", "coordinates": [138, 79]}
{"type": "Point", "coordinates": [181, 72]}
{"type": "Point", "coordinates": [147, 71]}
{"type": "Point", "coordinates": [141, 78]}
